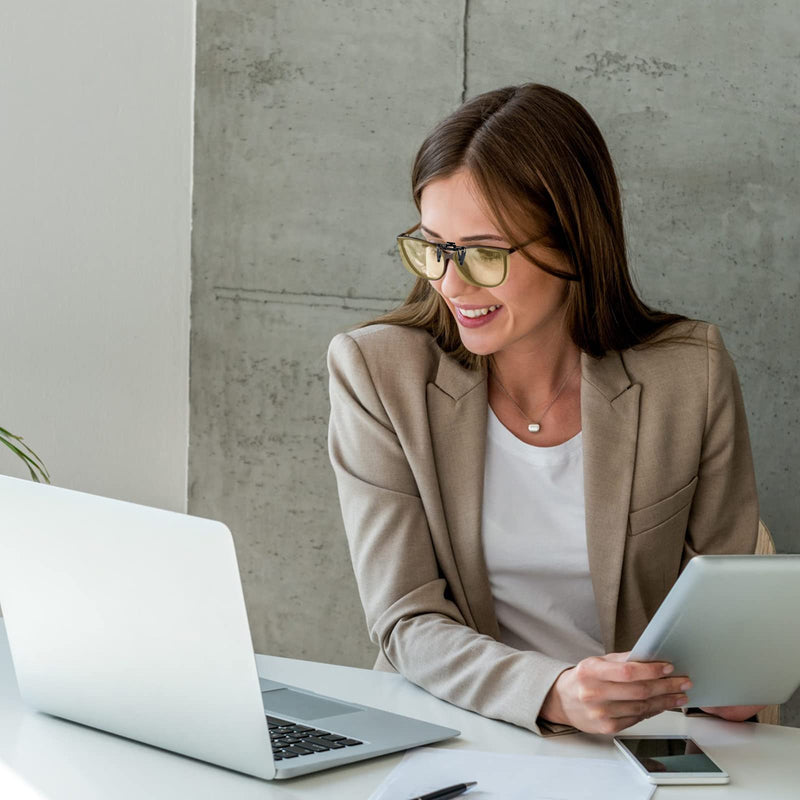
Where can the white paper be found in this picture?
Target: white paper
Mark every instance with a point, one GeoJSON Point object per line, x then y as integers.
{"type": "Point", "coordinates": [513, 777]}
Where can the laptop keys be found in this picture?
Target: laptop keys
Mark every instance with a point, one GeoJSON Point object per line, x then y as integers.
{"type": "Point", "coordinates": [326, 744]}
{"type": "Point", "coordinates": [290, 740]}
{"type": "Point", "coordinates": [298, 749]}
{"type": "Point", "coordinates": [317, 748]}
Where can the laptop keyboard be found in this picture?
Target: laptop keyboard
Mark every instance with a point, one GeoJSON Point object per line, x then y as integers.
{"type": "Point", "coordinates": [290, 740]}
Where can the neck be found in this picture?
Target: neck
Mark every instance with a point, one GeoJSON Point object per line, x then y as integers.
{"type": "Point", "coordinates": [533, 371]}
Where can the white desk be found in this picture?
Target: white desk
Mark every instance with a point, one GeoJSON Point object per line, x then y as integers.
{"type": "Point", "coordinates": [59, 760]}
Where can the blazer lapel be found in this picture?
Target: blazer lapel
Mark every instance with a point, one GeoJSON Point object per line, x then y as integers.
{"type": "Point", "coordinates": [457, 410]}
{"type": "Point", "coordinates": [609, 419]}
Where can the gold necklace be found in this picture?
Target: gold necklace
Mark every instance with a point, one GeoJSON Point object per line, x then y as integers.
{"type": "Point", "coordinates": [533, 427]}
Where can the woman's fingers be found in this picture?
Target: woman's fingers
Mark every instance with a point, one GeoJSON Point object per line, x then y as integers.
{"type": "Point", "coordinates": [613, 667]}
{"type": "Point", "coordinates": [733, 713]}
{"type": "Point", "coordinates": [644, 690]}
{"type": "Point", "coordinates": [645, 708]}
{"type": "Point", "coordinates": [617, 693]}
{"type": "Point", "coordinates": [606, 694]}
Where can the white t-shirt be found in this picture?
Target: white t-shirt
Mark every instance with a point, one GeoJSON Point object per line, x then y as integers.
{"type": "Point", "coordinates": [534, 543]}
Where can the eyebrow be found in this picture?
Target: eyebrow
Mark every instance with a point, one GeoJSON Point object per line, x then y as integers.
{"type": "Point", "coordinates": [481, 238]}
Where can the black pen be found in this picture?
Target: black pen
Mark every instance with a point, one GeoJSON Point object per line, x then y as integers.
{"type": "Point", "coordinates": [445, 794]}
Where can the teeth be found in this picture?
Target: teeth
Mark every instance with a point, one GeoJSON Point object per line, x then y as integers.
{"type": "Point", "coordinates": [472, 313]}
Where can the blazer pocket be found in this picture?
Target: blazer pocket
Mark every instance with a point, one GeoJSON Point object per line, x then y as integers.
{"type": "Point", "coordinates": [649, 517]}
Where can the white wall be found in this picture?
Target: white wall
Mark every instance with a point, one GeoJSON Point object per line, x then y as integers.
{"type": "Point", "coordinates": [96, 101]}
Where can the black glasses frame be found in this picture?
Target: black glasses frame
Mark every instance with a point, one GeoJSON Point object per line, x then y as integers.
{"type": "Point", "coordinates": [450, 249]}
{"type": "Point", "coordinates": [461, 251]}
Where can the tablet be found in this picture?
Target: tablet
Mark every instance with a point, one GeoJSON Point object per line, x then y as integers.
{"type": "Point", "coordinates": [732, 624]}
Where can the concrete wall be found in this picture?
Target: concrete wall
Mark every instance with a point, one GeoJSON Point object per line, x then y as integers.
{"type": "Point", "coordinates": [307, 118]}
{"type": "Point", "coordinates": [95, 216]}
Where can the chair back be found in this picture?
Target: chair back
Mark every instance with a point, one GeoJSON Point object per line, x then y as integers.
{"type": "Point", "coordinates": [765, 546]}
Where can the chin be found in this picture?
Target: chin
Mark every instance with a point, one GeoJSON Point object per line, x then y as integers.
{"type": "Point", "coordinates": [479, 346]}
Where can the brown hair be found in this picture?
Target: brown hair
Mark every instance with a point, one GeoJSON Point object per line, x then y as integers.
{"type": "Point", "coordinates": [543, 170]}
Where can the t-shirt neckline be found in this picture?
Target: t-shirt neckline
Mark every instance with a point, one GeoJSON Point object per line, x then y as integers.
{"type": "Point", "coordinates": [555, 454]}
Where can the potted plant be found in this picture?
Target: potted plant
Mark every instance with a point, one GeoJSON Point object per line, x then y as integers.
{"type": "Point", "coordinates": [34, 464]}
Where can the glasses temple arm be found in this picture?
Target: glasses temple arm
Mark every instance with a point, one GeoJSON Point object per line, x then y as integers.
{"type": "Point", "coordinates": [410, 230]}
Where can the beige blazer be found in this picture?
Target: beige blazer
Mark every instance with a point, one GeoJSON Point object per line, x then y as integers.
{"type": "Point", "coordinates": [668, 474]}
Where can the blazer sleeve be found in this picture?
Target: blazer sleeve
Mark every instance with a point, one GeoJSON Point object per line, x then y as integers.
{"type": "Point", "coordinates": [724, 513]}
{"type": "Point", "coordinates": [409, 612]}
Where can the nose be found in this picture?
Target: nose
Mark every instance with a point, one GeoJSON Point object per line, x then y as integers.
{"type": "Point", "coordinates": [451, 284]}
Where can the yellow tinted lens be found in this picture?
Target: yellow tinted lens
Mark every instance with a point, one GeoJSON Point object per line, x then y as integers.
{"type": "Point", "coordinates": [434, 267]}
{"type": "Point", "coordinates": [420, 257]}
{"type": "Point", "coordinates": [486, 266]}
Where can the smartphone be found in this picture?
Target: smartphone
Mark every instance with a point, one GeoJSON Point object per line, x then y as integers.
{"type": "Point", "coordinates": [670, 759]}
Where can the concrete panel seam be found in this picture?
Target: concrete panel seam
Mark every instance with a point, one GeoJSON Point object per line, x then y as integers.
{"type": "Point", "coordinates": [463, 54]}
{"type": "Point", "coordinates": [311, 299]}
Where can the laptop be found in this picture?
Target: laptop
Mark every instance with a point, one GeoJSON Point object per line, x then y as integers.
{"type": "Point", "coordinates": [132, 620]}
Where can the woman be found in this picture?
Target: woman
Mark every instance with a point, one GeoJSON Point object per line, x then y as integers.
{"type": "Point", "coordinates": [526, 454]}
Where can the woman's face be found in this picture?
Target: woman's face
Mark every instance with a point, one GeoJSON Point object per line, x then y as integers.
{"type": "Point", "coordinates": [529, 304]}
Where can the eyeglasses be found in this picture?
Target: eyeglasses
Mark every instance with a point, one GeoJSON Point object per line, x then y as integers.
{"type": "Point", "coordinates": [478, 265]}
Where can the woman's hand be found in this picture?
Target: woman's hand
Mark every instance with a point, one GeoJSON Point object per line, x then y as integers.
{"type": "Point", "coordinates": [606, 694]}
{"type": "Point", "coordinates": [733, 713]}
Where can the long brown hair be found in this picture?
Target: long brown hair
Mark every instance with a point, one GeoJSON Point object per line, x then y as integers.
{"type": "Point", "coordinates": [543, 169]}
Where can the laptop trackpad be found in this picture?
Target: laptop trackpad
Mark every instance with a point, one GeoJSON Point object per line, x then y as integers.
{"type": "Point", "coordinates": [303, 706]}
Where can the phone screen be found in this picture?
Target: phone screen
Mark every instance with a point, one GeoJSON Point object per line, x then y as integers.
{"type": "Point", "coordinates": [669, 755]}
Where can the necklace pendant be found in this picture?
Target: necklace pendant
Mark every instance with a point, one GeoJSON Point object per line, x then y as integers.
{"type": "Point", "coordinates": [534, 427]}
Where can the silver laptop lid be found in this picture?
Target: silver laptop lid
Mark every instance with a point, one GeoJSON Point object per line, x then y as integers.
{"type": "Point", "coordinates": [131, 619]}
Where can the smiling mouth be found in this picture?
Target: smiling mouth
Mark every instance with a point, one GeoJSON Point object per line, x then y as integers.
{"type": "Point", "coordinates": [476, 313]}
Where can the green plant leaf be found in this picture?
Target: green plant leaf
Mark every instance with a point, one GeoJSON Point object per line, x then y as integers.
{"type": "Point", "coordinates": [30, 463]}
{"type": "Point", "coordinates": [38, 463]}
